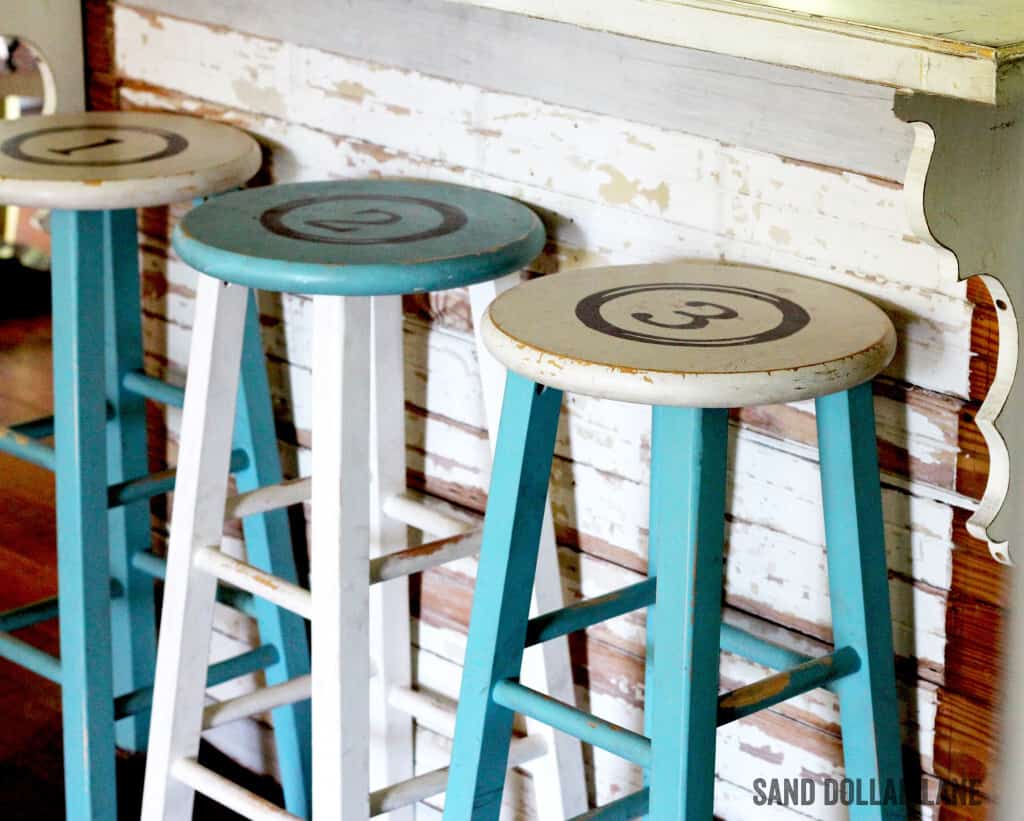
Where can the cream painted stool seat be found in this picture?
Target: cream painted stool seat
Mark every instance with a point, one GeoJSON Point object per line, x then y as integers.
{"type": "Point", "coordinates": [103, 160]}
{"type": "Point", "coordinates": [693, 334]}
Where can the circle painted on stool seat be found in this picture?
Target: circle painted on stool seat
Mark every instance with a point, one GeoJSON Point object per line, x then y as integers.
{"type": "Point", "coordinates": [696, 315]}
{"type": "Point", "coordinates": [364, 219]}
{"type": "Point", "coordinates": [102, 160]}
{"type": "Point", "coordinates": [361, 237]}
{"type": "Point", "coordinates": [691, 333]}
{"type": "Point", "coordinates": [94, 146]}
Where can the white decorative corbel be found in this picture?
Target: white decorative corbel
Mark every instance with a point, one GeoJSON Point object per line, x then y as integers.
{"type": "Point", "coordinates": [965, 194]}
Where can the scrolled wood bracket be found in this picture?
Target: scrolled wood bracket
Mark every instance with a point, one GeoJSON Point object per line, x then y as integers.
{"type": "Point", "coordinates": [965, 195]}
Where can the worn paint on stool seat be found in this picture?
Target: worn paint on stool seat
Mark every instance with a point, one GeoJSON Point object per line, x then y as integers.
{"type": "Point", "coordinates": [102, 160]}
{"type": "Point", "coordinates": [360, 237]}
{"type": "Point", "coordinates": [661, 328]}
{"type": "Point", "coordinates": [695, 334]}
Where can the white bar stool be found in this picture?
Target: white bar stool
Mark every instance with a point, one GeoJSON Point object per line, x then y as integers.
{"type": "Point", "coordinates": [356, 246]}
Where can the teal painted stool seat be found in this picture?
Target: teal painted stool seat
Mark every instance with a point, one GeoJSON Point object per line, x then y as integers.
{"type": "Point", "coordinates": [355, 246]}
{"type": "Point", "coordinates": [93, 170]}
{"type": "Point", "coordinates": [690, 339]}
{"type": "Point", "coordinates": [360, 237]}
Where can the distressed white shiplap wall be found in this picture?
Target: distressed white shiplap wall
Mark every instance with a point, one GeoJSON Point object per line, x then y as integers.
{"type": "Point", "coordinates": [612, 188]}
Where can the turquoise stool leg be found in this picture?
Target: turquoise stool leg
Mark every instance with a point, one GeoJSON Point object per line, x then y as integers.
{"type": "Point", "coordinates": [688, 464]}
{"type": "Point", "coordinates": [269, 547]}
{"type": "Point", "coordinates": [83, 565]}
{"type": "Point", "coordinates": [132, 615]}
{"type": "Point", "coordinates": [652, 573]}
{"type": "Point", "coordinates": [859, 590]}
{"type": "Point", "coordinates": [501, 603]}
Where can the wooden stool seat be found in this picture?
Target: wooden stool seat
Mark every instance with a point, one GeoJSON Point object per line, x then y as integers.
{"type": "Point", "coordinates": [694, 334]}
{"type": "Point", "coordinates": [360, 237]}
{"type": "Point", "coordinates": [104, 160]}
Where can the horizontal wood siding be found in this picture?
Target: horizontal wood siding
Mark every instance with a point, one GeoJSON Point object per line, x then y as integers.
{"type": "Point", "coordinates": [615, 184]}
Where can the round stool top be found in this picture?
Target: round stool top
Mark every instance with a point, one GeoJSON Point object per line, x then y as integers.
{"type": "Point", "coordinates": [696, 334]}
{"type": "Point", "coordinates": [102, 160]}
{"type": "Point", "coordinates": [359, 237]}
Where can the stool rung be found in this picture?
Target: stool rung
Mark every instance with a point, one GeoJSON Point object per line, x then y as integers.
{"type": "Point", "coordinates": [259, 658]}
{"type": "Point", "coordinates": [782, 686]}
{"type": "Point", "coordinates": [26, 447]}
{"type": "Point", "coordinates": [18, 618]}
{"type": "Point", "coordinates": [150, 387]}
{"type": "Point", "coordinates": [585, 726]}
{"type": "Point", "coordinates": [742, 643]}
{"type": "Point", "coordinates": [258, 701]}
{"type": "Point", "coordinates": [154, 484]}
{"type": "Point", "coordinates": [622, 809]}
{"type": "Point", "coordinates": [39, 428]}
{"type": "Point", "coordinates": [404, 793]}
{"type": "Point", "coordinates": [253, 580]}
{"type": "Point", "coordinates": [31, 658]}
{"type": "Point", "coordinates": [226, 792]}
{"type": "Point", "coordinates": [435, 712]}
{"type": "Point", "coordinates": [637, 748]}
{"type": "Point", "coordinates": [404, 508]}
{"type": "Point", "coordinates": [154, 566]}
{"type": "Point", "coordinates": [271, 497]}
{"type": "Point", "coordinates": [425, 556]}
{"type": "Point", "coordinates": [583, 614]}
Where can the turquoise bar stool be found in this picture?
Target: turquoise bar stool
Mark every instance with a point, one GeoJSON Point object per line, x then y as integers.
{"type": "Point", "coordinates": [691, 340]}
{"type": "Point", "coordinates": [355, 247]}
{"type": "Point", "coordinates": [94, 170]}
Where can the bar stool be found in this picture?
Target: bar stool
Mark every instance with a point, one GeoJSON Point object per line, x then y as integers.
{"type": "Point", "coordinates": [355, 246]}
{"type": "Point", "coordinates": [94, 170]}
{"type": "Point", "coordinates": [691, 340]}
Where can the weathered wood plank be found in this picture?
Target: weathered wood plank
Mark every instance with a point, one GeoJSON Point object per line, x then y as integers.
{"type": "Point", "coordinates": [793, 113]}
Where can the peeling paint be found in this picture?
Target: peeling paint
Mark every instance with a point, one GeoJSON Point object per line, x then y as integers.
{"type": "Point", "coordinates": [620, 189]}
{"type": "Point", "coordinates": [352, 90]}
{"type": "Point", "coordinates": [260, 98]}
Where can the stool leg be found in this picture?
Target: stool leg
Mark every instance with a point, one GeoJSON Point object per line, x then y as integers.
{"type": "Point", "coordinates": [561, 790]}
{"type": "Point", "coordinates": [390, 625]}
{"type": "Point", "coordinates": [340, 561]}
{"type": "Point", "coordinates": [197, 522]}
{"type": "Point", "coordinates": [83, 564]}
{"type": "Point", "coordinates": [133, 621]}
{"type": "Point", "coordinates": [688, 464]}
{"type": "Point", "coordinates": [268, 545]}
{"type": "Point", "coordinates": [859, 590]}
{"type": "Point", "coordinates": [501, 602]}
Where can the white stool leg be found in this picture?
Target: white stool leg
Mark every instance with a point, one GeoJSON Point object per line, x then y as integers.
{"type": "Point", "coordinates": [339, 558]}
{"type": "Point", "coordinates": [197, 522]}
{"type": "Point", "coordinates": [393, 753]}
{"type": "Point", "coordinates": [561, 790]}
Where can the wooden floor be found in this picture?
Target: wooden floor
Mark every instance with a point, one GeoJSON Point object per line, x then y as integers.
{"type": "Point", "coordinates": [30, 743]}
